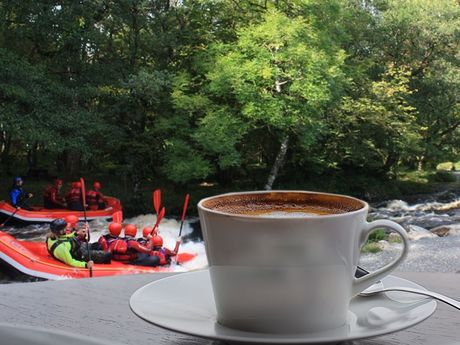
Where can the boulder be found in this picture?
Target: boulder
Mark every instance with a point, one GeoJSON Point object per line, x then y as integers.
{"type": "Point", "coordinates": [447, 230]}
{"type": "Point", "coordinates": [415, 232]}
{"type": "Point", "coordinates": [394, 237]}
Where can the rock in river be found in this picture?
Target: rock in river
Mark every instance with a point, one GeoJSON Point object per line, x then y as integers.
{"type": "Point", "coordinates": [447, 230]}
{"type": "Point", "coordinates": [415, 232]}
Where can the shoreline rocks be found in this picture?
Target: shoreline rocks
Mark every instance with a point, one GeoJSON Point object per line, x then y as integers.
{"type": "Point", "coordinates": [447, 230]}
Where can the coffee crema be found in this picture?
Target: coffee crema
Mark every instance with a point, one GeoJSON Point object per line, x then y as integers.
{"type": "Point", "coordinates": [283, 204]}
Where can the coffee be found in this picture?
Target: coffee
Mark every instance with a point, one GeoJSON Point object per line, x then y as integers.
{"type": "Point", "coordinates": [288, 204]}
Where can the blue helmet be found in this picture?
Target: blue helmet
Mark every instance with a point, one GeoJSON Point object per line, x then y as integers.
{"type": "Point", "coordinates": [17, 179]}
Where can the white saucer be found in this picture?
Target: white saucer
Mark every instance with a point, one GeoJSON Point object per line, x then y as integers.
{"type": "Point", "coordinates": [185, 303]}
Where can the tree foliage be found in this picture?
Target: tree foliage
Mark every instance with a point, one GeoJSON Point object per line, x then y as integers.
{"type": "Point", "coordinates": [229, 90]}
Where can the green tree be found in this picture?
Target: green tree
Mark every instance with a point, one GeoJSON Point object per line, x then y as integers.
{"type": "Point", "coordinates": [277, 78]}
{"type": "Point", "coordinates": [375, 128]}
{"type": "Point", "coordinates": [424, 36]}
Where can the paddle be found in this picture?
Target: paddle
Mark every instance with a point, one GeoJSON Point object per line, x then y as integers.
{"type": "Point", "coordinates": [83, 194]}
{"type": "Point", "coordinates": [184, 210]}
{"type": "Point", "coordinates": [157, 200]}
{"type": "Point", "coordinates": [117, 217]}
{"type": "Point", "coordinates": [12, 214]}
{"type": "Point", "coordinates": [159, 218]}
{"type": "Point", "coordinates": [7, 219]}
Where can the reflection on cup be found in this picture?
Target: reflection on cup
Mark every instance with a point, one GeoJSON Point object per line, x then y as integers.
{"type": "Point", "coordinates": [284, 261]}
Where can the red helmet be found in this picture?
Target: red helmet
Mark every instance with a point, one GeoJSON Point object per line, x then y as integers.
{"type": "Point", "coordinates": [76, 185]}
{"type": "Point", "coordinates": [58, 182]}
{"type": "Point", "coordinates": [146, 231]}
{"type": "Point", "coordinates": [130, 230]}
{"type": "Point", "coordinates": [97, 185]}
{"type": "Point", "coordinates": [115, 229]}
{"type": "Point", "coordinates": [71, 220]}
{"type": "Point", "coordinates": [157, 241]}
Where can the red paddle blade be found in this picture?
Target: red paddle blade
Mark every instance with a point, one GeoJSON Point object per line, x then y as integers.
{"type": "Point", "coordinates": [117, 217]}
{"type": "Point", "coordinates": [159, 218]}
{"type": "Point", "coordinates": [83, 190]}
{"type": "Point", "coordinates": [157, 200]}
{"type": "Point", "coordinates": [187, 197]}
{"type": "Point", "coordinates": [184, 257]}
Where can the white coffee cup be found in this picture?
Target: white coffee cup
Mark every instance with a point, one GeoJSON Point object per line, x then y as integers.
{"type": "Point", "coordinates": [284, 261]}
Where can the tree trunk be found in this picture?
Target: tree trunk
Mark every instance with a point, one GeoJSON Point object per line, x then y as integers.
{"type": "Point", "coordinates": [420, 160]}
{"type": "Point", "coordinates": [279, 162]}
{"type": "Point", "coordinates": [6, 144]}
{"type": "Point", "coordinates": [32, 156]}
{"type": "Point", "coordinates": [69, 163]}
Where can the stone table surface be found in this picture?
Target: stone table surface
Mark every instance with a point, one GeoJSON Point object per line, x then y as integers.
{"type": "Point", "coordinates": [99, 308]}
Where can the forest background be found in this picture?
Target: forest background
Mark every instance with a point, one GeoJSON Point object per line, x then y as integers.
{"type": "Point", "coordinates": [350, 96]}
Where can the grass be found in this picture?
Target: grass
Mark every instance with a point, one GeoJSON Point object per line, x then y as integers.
{"type": "Point", "coordinates": [371, 247]}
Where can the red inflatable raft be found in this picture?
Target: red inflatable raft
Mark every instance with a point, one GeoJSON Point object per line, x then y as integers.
{"type": "Point", "coordinates": [32, 259]}
{"type": "Point", "coordinates": [43, 215]}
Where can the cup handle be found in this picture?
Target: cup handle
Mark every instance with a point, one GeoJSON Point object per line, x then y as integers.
{"type": "Point", "coordinates": [361, 284]}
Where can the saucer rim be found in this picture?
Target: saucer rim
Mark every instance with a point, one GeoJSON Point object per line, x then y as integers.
{"type": "Point", "coordinates": [268, 338]}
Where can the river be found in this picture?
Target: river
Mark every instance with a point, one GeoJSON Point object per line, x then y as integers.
{"type": "Point", "coordinates": [427, 252]}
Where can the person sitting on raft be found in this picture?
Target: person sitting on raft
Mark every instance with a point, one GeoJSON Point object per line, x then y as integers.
{"type": "Point", "coordinates": [130, 251]}
{"type": "Point", "coordinates": [95, 199]}
{"type": "Point", "coordinates": [68, 249]}
{"type": "Point", "coordinates": [74, 197]}
{"type": "Point", "coordinates": [109, 241]}
{"type": "Point", "coordinates": [72, 224]}
{"type": "Point", "coordinates": [51, 197]}
{"type": "Point", "coordinates": [164, 254]}
{"type": "Point", "coordinates": [17, 196]}
{"type": "Point", "coordinates": [147, 234]}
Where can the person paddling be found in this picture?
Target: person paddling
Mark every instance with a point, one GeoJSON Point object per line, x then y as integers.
{"type": "Point", "coordinates": [108, 241]}
{"type": "Point", "coordinates": [72, 223]}
{"type": "Point", "coordinates": [51, 196]}
{"type": "Point", "coordinates": [65, 247]}
{"type": "Point", "coordinates": [164, 254]}
{"type": "Point", "coordinates": [95, 199]}
{"type": "Point", "coordinates": [17, 196]}
{"type": "Point", "coordinates": [147, 234]}
{"type": "Point", "coordinates": [75, 199]}
{"type": "Point", "coordinates": [71, 248]}
{"type": "Point", "coordinates": [130, 251]}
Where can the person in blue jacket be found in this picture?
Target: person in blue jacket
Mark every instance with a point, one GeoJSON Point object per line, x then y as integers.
{"type": "Point", "coordinates": [17, 195]}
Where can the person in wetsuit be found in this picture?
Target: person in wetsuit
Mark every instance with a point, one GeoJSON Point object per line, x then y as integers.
{"type": "Point", "coordinates": [18, 198]}
{"type": "Point", "coordinates": [164, 254]}
{"type": "Point", "coordinates": [51, 197]}
{"type": "Point", "coordinates": [95, 198]}
{"type": "Point", "coordinates": [109, 240]}
{"type": "Point", "coordinates": [130, 251]}
{"type": "Point", "coordinates": [68, 248]}
{"type": "Point", "coordinates": [75, 198]}
{"type": "Point", "coordinates": [72, 223]}
{"type": "Point", "coordinates": [147, 234]}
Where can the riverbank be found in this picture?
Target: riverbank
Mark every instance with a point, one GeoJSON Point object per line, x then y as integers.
{"type": "Point", "coordinates": [440, 254]}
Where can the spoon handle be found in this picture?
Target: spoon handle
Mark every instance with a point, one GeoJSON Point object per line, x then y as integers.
{"type": "Point", "coordinates": [435, 295]}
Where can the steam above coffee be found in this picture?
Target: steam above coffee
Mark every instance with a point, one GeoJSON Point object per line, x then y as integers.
{"type": "Point", "coordinates": [283, 204]}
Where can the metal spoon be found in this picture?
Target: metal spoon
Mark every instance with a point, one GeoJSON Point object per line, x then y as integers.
{"type": "Point", "coordinates": [435, 295]}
